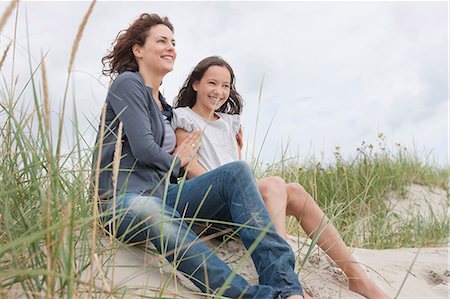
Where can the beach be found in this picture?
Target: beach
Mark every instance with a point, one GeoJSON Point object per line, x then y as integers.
{"type": "Point", "coordinates": [402, 273]}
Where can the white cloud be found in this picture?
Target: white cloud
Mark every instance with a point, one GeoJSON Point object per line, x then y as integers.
{"type": "Point", "coordinates": [336, 73]}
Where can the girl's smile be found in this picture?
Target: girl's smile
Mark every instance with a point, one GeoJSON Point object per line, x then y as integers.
{"type": "Point", "coordinates": [213, 90]}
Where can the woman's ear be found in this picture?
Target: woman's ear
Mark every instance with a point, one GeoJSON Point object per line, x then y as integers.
{"type": "Point", "coordinates": [136, 49]}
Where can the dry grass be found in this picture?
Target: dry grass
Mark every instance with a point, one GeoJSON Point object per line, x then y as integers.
{"type": "Point", "coordinates": [7, 13]}
{"type": "Point", "coordinates": [45, 97]}
{"type": "Point", "coordinates": [73, 53]}
{"type": "Point", "coordinates": [79, 35]}
{"type": "Point", "coordinates": [5, 53]}
{"type": "Point", "coordinates": [115, 175]}
{"type": "Point", "coordinates": [96, 199]}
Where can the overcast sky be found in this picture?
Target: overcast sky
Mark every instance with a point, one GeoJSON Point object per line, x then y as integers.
{"type": "Point", "coordinates": [336, 73]}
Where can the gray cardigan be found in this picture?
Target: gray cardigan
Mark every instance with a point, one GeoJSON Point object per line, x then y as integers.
{"type": "Point", "coordinates": [144, 164]}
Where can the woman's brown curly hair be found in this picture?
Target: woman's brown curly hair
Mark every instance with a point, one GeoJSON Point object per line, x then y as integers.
{"type": "Point", "coordinates": [121, 57]}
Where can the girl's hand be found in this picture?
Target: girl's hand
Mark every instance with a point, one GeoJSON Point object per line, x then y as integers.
{"type": "Point", "coordinates": [187, 150]}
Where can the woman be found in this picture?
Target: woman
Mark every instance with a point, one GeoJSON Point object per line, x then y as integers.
{"type": "Point", "coordinates": [208, 101]}
{"type": "Point", "coordinates": [147, 207]}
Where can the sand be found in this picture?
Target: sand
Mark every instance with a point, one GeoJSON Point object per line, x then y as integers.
{"type": "Point", "coordinates": [424, 272]}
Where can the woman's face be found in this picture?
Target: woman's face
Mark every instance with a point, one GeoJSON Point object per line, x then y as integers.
{"type": "Point", "coordinates": [158, 53]}
{"type": "Point", "coordinates": [213, 89]}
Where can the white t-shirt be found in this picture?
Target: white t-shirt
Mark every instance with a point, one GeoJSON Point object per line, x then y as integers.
{"type": "Point", "coordinates": [218, 144]}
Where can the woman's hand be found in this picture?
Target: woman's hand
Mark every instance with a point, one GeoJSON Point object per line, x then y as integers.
{"type": "Point", "coordinates": [240, 141]}
{"type": "Point", "coordinates": [187, 150]}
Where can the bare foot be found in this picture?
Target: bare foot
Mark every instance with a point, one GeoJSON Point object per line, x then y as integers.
{"type": "Point", "coordinates": [366, 288]}
{"type": "Point", "coordinates": [300, 297]}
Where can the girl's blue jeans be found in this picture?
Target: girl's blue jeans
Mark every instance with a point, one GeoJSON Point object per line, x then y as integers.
{"type": "Point", "coordinates": [228, 193]}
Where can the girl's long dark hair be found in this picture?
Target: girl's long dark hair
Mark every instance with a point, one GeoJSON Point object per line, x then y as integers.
{"type": "Point", "coordinates": [121, 57]}
{"type": "Point", "coordinates": [187, 95]}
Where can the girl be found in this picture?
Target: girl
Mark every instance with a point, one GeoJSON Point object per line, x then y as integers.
{"type": "Point", "coordinates": [209, 102]}
{"type": "Point", "coordinates": [147, 207]}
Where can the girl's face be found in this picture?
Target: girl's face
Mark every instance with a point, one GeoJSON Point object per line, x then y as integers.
{"type": "Point", "coordinates": [158, 52]}
{"type": "Point", "coordinates": [213, 89]}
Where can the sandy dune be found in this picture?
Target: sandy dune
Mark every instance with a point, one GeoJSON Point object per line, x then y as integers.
{"type": "Point", "coordinates": [145, 274]}
{"type": "Point", "coordinates": [426, 270]}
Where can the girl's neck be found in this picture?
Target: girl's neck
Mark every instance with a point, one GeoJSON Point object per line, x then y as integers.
{"type": "Point", "coordinates": [204, 113]}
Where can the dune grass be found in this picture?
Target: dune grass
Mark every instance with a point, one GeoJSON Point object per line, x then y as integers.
{"type": "Point", "coordinates": [352, 191]}
{"type": "Point", "coordinates": [49, 238]}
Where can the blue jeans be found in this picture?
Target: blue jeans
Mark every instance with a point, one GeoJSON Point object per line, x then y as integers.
{"type": "Point", "coordinates": [228, 193]}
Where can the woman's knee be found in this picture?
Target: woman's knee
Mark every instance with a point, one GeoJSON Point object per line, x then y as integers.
{"type": "Point", "coordinates": [239, 166]}
{"type": "Point", "coordinates": [238, 169]}
{"type": "Point", "coordinates": [152, 209]}
{"type": "Point", "coordinates": [147, 217]}
{"type": "Point", "coordinates": [138, 209]}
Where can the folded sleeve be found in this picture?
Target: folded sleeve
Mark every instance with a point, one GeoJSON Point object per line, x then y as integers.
{"type": "Point", "coordinates": [182, 120]}
{"type": "Point", "coordinates": [235, 122]}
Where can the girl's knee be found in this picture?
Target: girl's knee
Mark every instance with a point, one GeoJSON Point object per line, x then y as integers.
{"type": "Point", "coordinates": [295, 188]}
{"type": "Point", "coordinates": [296, 192]}
{"type": "Point", "coordinates": [273, 182]}
{"type": "Point", "coordinates": [272, 187]}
